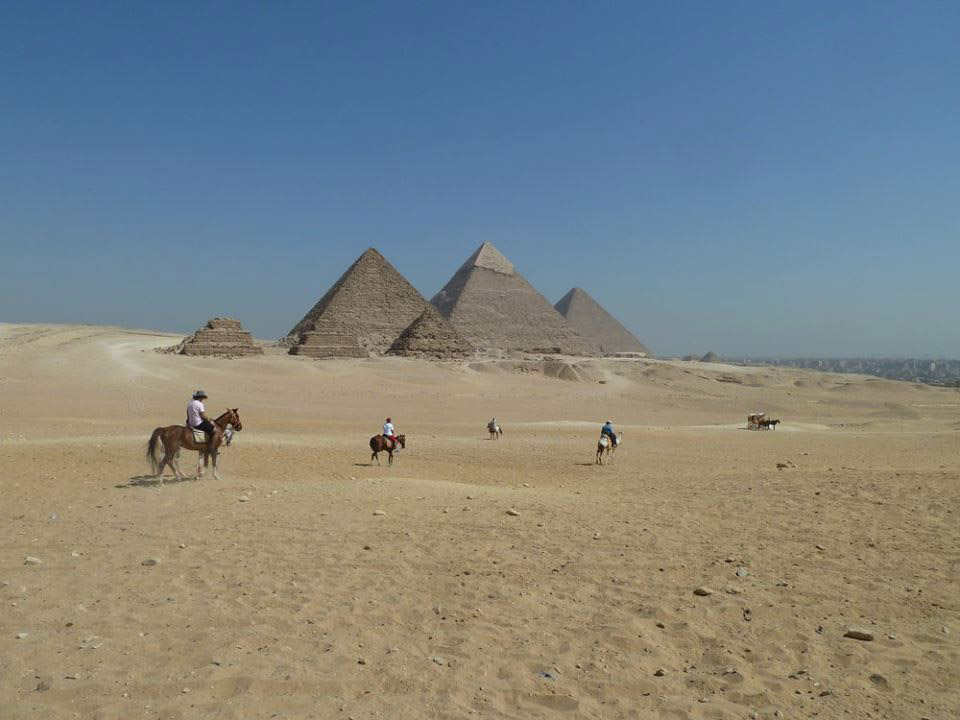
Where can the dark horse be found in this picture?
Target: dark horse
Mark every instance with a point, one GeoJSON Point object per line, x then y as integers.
{"type": "Point", "coordinates": [175, 437]}
{"type": "Point", "coordinates": [378, 443]}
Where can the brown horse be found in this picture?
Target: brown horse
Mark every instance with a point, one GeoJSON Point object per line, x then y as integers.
{"type": "Point", "coordinates": [379, 444]}
{"type": "Point", "coordinates": [604, 444]}
{"type": "Point", "coordinates": [175, 437]}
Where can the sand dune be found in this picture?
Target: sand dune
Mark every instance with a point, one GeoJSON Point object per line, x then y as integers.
{"type": "Point", "coordinates": [301, 602]}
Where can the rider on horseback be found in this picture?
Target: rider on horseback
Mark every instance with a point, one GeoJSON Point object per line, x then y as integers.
{"type": "Point", "coordinates": [389, 433]}
{"type": "Point", "coordinates": [197, 418]}
{"type": "Point", "coordinates": [607, 430]}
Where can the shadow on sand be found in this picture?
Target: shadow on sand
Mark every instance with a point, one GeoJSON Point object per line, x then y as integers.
{"type": "Point", "coordinates": [151, 481]}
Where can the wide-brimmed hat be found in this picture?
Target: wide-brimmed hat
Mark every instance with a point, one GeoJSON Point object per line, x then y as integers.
{"type": "Point", "coordinates": [199, 395]}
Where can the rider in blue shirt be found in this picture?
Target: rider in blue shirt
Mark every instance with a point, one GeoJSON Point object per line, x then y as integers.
{"type": "Point", "coordinates": [607, 430]}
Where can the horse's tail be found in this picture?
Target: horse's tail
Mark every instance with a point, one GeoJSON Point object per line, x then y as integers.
{"type": "Point", "coordinates": [152, 449]}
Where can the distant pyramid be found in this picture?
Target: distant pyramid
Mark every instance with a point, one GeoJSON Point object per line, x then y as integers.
{"type": "Point", "coordinates": [493, 306]}
{"type": "Point", "coordinates": [370, 300]}
{"type": "Point", "coordinates": [596, 324]}
{"type": "Point", "coordinates": [430, 335]}
{"type": "Point", "coordinates": [220, 337]}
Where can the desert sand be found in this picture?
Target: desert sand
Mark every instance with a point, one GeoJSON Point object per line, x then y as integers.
{"type": "Point", "coordinates": [307, 583]}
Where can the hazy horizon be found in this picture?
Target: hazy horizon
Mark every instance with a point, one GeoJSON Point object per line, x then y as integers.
{"type": "Point", "coordinates": [754, 180]}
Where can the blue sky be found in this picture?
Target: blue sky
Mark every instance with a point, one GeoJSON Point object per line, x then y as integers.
{"type": "Point", "coordinates": [749, 178]}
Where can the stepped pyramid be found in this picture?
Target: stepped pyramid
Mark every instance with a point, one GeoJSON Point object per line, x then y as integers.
{"type": "Point", "coordinates": [371, 300]}
{"type": "Point", "coordinates": [324, 339]}
{"type": "Point", "coordinates": [596, 324]}
{"type": "Point", "coordinates": [493, 306]}
{"type": "Point", "coordinates": [430, 335]}
{"type": "Point", "coordinates": [223, 337]}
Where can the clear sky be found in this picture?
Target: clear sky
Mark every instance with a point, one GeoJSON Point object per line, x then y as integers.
{"type": "Point", "coordinates": [775, 178]}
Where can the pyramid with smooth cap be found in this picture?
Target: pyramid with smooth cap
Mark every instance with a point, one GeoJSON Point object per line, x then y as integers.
{"type": "Point", "coordinates": [597, 325]}
{"type": "Point", "coordinates": [220, 337]}
{"type": "Point", "coordinates": [371, 301]}
{"type": "Point", "coordinates": [493, 306]}
{"type": "Point", "coordinates": [431, 336]}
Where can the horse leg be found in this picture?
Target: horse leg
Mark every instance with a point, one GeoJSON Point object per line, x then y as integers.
{"type": "Point", "coordinates": [215, 456]}
{"type": "Point", "coordinates": [375, 456]}
{"type": "Point", "coordinates": [389, 458]}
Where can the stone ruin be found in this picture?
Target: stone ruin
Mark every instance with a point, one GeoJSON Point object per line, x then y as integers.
{"type": "Point", "coordinates": [431, 336]}
{"type": "Point", "coordinates": [220, 337]}
{"type": "Point", "coordinates": [326, 338]}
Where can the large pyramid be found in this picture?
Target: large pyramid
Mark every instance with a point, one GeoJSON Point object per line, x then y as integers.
{"type": "Point", "coordinates": [430, 335]}
{"type": "Point", "coordinates": [370, 300]}
{"type": "Point", "coordinates": [493, 306]}
{"type": "Point", "coordinates": [596, 324]}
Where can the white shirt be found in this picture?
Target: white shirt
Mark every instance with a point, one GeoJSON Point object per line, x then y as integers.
{"type": "Point", "coordinates": [193, 413]}
{"type": "Point", "coordinates": [388, 429]}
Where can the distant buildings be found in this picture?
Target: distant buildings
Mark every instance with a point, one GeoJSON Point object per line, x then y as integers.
{"type": "Point", "coordinates": [931, 372]}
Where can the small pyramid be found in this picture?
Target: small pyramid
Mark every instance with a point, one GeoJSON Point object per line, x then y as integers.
{"type": "Point", "coordinates": [371, 300]}
{"type": "Point", "coordinates": [325, 340]}
{"type": "Point", "coordinates": [493, 306]}
{"type": "Point", "coordinates": [220, 337]}
{"type": "Point", "coordinates": [430, 335]}
{"type": "Point", "coordinates": [710, 357]}
{"type": "Point", "coordinates": [596, 324]}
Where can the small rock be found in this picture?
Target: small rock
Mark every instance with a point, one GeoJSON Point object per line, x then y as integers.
{"type": "Point", "coordinates": [28, 560]}
{"type": "Point", "coordinates": [703, 591]}
{"type": "Point", "coordinates": [891, 636]}
{"type": "Point", "coordinates": [596, 536]}
{"type": "Point", "coordinates": [436, 660]}
{"type": "Point", "coordinates": [661, 625]}
{"type": "Point", "coordinates": [878, 679]}
{"type": "Point", "coordinates": [368, 547]}
{"type": "Point", "coordinates": [820, 547]}
{"type": "Point", "coordinates": [513, 512]}
{"type": "Point", "coordinates": [858, 634]}
{"type": "Point", "coordinates": [44, 685]}
{"type": "Point", "coordinates": [361, 661]}
{"type": "Point", "coordinates": [243, 498]}
{"type": "Point", "coordinates": [149, 562]}
{"type": "Point", "coordinates": [22, 636]}
{"type": "Point", "coordinates": [742, 572]}
{"type": "Point", "coordinates": [825, 693]}
{"type": "Point", "coordinates": [660, 672]}
{"type": "Point", "coordinates": [379, 512]}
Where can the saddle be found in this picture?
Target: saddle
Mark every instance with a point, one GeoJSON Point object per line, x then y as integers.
{"type": "Point", "coordinates": [388, 443]}
{"type": "Point", "coordinates": [200, 437]}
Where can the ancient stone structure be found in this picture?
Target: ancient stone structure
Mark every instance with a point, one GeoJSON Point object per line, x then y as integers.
{"type": "Point", "coordinates": [598, 326]}
{"type": "Point", "coordinates": [710, 357]}
{"type": "Point", "coordinates": [431, 336]}
{"type": "Point", "coordinates": [371, 299]}
{"type": "Point", "coordinates": [493, 306]}
{"type": "Point", "coordinates": [325, 339]}
{"type": "Point", "coordinates": [221, 337]}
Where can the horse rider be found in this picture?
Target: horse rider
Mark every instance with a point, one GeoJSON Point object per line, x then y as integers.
{"type": "Point", "coordinates": [607, 430]}
{"type": "Point", "coordinates": [389, 433]}
{"type": "Point", "coordinates": [197, 418]}
{"type": "Point", "coordinates": [492, 425]}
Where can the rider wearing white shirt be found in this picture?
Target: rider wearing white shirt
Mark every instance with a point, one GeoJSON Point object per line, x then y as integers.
{"type": "Point", "coordinates": [388, 432]}
{"type": "Point", "coordinates": [197, 416]}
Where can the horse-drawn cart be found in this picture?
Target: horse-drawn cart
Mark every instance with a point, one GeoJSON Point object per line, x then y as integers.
{"type": "Point", "coordinates": [760, 421]}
